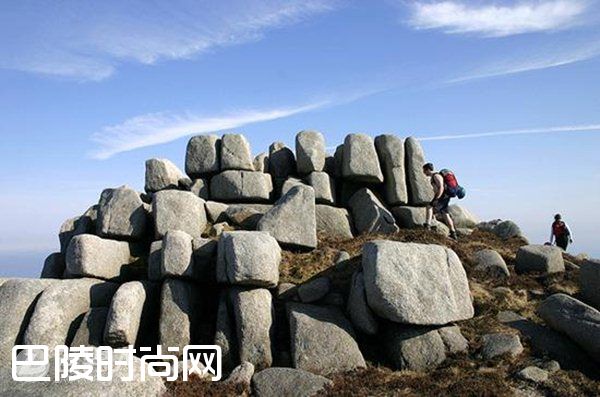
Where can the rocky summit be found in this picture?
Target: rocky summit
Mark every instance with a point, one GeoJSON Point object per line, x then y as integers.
{"type": "Point", "coordinates": [313, 274]}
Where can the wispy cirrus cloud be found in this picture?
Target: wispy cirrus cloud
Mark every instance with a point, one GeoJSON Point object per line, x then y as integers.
{"type": "Point", "coordinates": [494, 20]}
{"type": "Point", "coordinates": [543, 60]}
{"type": "Point", "coordinates": [581, 128]}
{"type": "Point", "coordinates": [90, 40]}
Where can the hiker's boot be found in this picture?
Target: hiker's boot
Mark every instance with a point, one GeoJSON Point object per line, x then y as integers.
{"type": "Point", "coordinates": [426, 226]}
{"type": "Point", "coordinates": [453, 236]}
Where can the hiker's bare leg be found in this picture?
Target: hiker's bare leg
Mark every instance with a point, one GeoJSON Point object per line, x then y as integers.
{"type": "Point", "coordinates": [449, 222]}
{"type": "Point", "coordinates": [429, 215]}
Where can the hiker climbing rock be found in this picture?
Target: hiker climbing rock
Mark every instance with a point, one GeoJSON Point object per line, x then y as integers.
{"type": "Point", "coordinates": [445, 187]}
{"type": "Point", "coordinates": [560, 233]}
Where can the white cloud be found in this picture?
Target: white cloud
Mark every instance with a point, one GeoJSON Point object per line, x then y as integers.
{"type": "Point", "coordinates": [594, 128]}
{"type": "Point", "coordinates": [492, 20]}
{"type": "Point", "coordinates": [546, 60]}
{"type": "Point", "coordinates": [156, 128]}
{"type": "Point", "coordinates": [89, 40]}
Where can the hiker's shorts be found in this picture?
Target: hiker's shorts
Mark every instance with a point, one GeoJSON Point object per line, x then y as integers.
{"type": "Point", "coordinates": [441, 205]}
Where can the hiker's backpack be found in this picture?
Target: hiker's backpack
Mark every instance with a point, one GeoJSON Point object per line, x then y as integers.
{"type": "Point", "coordinates": [559, 228]}
{"type": "Point", "coordinates": [451, 186]}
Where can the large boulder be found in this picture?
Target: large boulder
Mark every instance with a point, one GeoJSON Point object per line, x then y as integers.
{"type": "Point", "coordinates": [235, 153]}
{"type": "Point", "coordinates": [54, 266]}
{"type": "Point", "coordinates": [261, 162]}
{"type": "Point", "coordinates": [248, 258]}
{"type": "Point", "coordinates": [202, 155]}
{"type": "Point", "coordinates": [370, 215]}
{"type": "Point", "coordinates": [236, 185]}
{"type": "Point", "coordinates": [322, 340]}
{"type": "Point", "coordinates": [324, 186]}
{"type": "Point", "coordinates": [200, 188]}
{"type": "Point", "coordinates": [290, 382]}
{"type": "Point", "coordinates": [360, 313]}
{"type": "Point", "coordinates": [91, 328]}
{"type": "Point", "coordinates": [504, 229]}
{"type": "Point", "coordinates": [414, 348]}
{"type": "Point", "coordinates": [420, 191]}
{"type": "Point", "coordinates": [177, 314]}
{"type": "Point", "coordinates": [225, 332]}
{"type": "Point", "coordinates": [360, 161]}
{"type": "Point", "coordinates": [462, 217]}
{"type": "Point", "coordinates": [91, 256]}
{"type": "Point", "coordinates": [155, 261]}
{"type": "Point", "coordinates": [292, 221]}
{"type": "Point", "coordinates": [215, 211]}
{"type": "Point", "coordinates": [177, 258]}
{"type": "Point", "coordinates": [18, 298]}
{"type": "Point", "coordinates": [177, 210]}
{"type": "Point", "coordinates": [314, 289]}
{"type": "Point", "coordinates": [254, 316]}
{"type": "Point", "coordinates": [333, 221]}
{"type": "Point", "coordinates": [125, 314]}
{"type": "Point", "coordinates": [589, 281]}
{"type": "Point", "coordinates": [282, 162]}
{"type": "Point", "coordinates": [60, 308]}
{"type": "Point", "coordinates": [417, 284]}
{"type": "Point", "coordinates": [489, 263]}
{"type": "Point", "coordinates": [162, 174]}
{"type": "Point", "coordinates": [289, 183]}
{"type": "Point", "coordinates": [310, 152]}
{"type": "Point", "coordinates": [121, 214]}
{"type": "Point", "coordinates": [539, 258]}
{"type": "Point", "coordinates": [84, 224]}
{"type": "Point", "coordinates": [416, 217]}
{"type": "Point", "coordinates": [575, 319]}
{"type": "Point", "coordinates": [390, 150]}
{"type": "Point", "coordinates": [498, 344]}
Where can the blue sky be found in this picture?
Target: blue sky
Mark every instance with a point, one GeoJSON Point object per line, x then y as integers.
{"type": "Point", "coordinates": [509, 89]}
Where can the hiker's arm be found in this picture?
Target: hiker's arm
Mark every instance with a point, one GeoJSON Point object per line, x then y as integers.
{"type": "Point", "coordinates": [551, 235]}
{"type": "Point", "coordinates": [569, 232]}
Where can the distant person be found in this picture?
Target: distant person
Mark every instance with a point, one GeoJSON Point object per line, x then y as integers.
{"type": "Point", "coordinates": [561, 233]}
{"type": "Point", "coordinates": [442, 194]}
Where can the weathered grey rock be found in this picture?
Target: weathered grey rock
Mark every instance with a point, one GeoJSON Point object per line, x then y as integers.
{"type": "Point", "coordinates": [360, 161]}
{"type": "Point", "coordinates": [54, 266]}
{"type": "Point", "coordinates": [286, 291]}
{"type": "Point", "coordinates": [235, 153]}
{"type": "Point", "coordinates": [176, 210]}
{"type": "Point", "coordinates": [359, 311]}
{"type": "Point", "coordinates": [292, 221]}
{"type": "Point", "coordinates": [18, 298]}
{"type": "Point", "coordinates": [503, 229]}
{"type": "Point", "coordinates": [289, 183]}
{"type": "Point", "coordinates": [420, 191]}
{"type": "Point", "coordinates": [125, 314]}
{"type": "Point", "coordinates": [415, 217]}
{"type": "Point", "coordinates": [322, 340]}
{"type": "Point", "coordinates": [200, 187]}
{"type": "Point", "coordinates": [551, 366]}
{"type": "Point", "coordinates": [490, 264]}
{"type": "Point", "coordinates": [533, 374]}
{"type": "Point", "coordinates": [314, 289]}
{"type": "Point", "coordinates": [289, 382]}
{"type": "Point", "coordinates": [61, 306]}
{"type": "Point", "coordinates": [390, 150]}
{"type": "Point", "coordinates": [92, 256]}
{"type": "Point", "coordinates": [177, 314]}
{"type": "Point", "coordinates": [494, 345]}
{"type": "Point", "coordinates": [241, 375]}
{"type": "Point", "coordinates": [462, 217]}
{"type": "Point", "coordinates": [539, 258]}
{"type": "Point", "coordinates": [261, 162]}
{"type": "Point", "coordinates": [453, 339]}
{"type": "Point", "coordinates": [253, 310]}
{"type": "Point", "coordinates": [310, 152]}
{"type": "Point", "coordinates": [333, 221]}
{"type": "Point", "coordinates": [370, 215]}
{"type": "Point", "coordinates": [338, 161]}
{"type": "Point", "coordinates": [225, 333]}
{"type": "Point", "coordinates": [333, 299]}
{"type": "Point", "coordinates": [236, 185]}
{"type": "Point", "coordinates": [248, 258]}
{"type": "Point", "coordinates": [155, 260]}
{"type": "Point", "coordinates": [121, 214]}
{"type": "Point", "coordinates": [282, 161]}
{"type": "Point", "coordinates": [414, 348]}
{"type": "Point", "coordinates": [324, 187]}
{"type": "Point", "coordinates": [75, 226]}
{"type": "Point", "coordinates": [202, 155]}
{"type": "Point", "coordinates": [415, 283]}
{"type": "Point", "coordinates": [589, 281]}
{"type": "Point", "coordinates": [177, 255]}
{"type": "Point", "coordinates": [91, 329]}
{"type": "Point", "coordinates": [244, 217]}
{"type": "Point", "coordinates": [577, 320]}
{"type": "Point", "coordinates": [215, 211]}
{"type": "Point", "coordinates": [150, 387]}
{"type": "Point", "coordinates": [161, 174]}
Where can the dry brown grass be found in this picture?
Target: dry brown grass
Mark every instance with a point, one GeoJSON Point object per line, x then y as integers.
{"type": "Point", "coordinates": [196, 387]}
